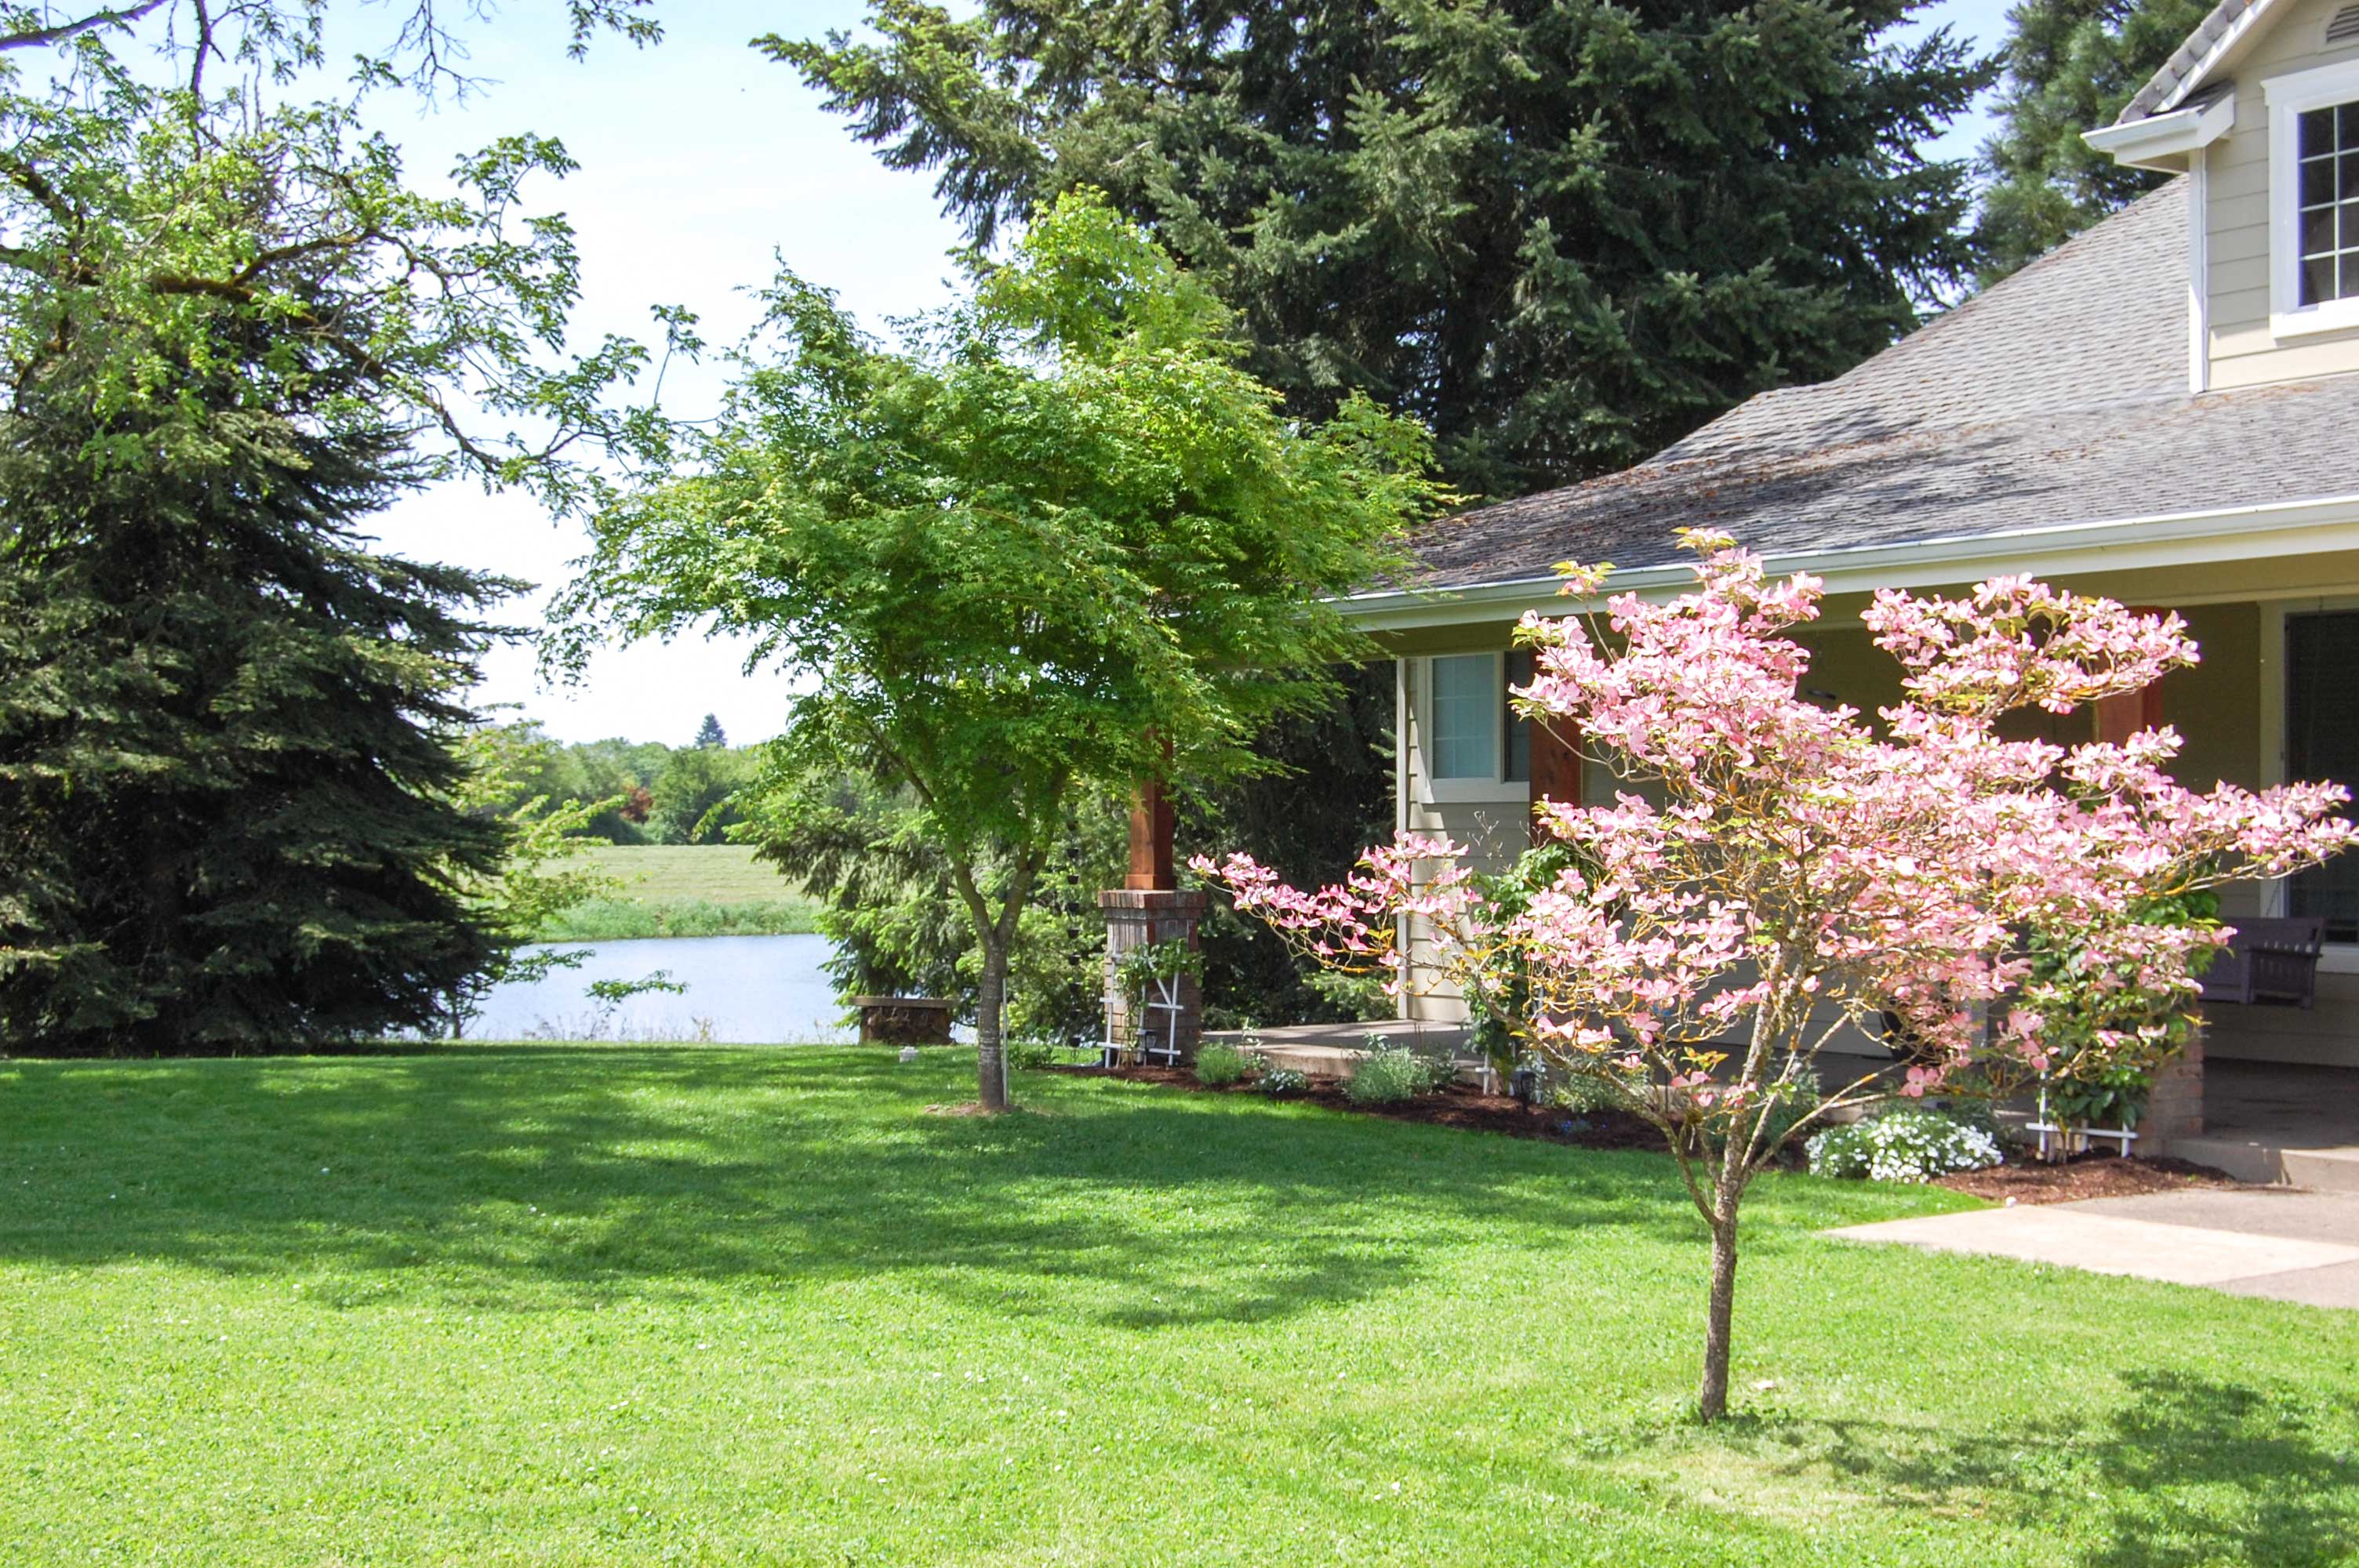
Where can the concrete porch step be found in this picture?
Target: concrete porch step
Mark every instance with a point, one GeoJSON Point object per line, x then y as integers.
{"type": "Point", "coordinates": [2332, 1169]}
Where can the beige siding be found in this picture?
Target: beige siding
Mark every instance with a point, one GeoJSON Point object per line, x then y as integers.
{"type": "Point", "coordinates": [2243, 351]}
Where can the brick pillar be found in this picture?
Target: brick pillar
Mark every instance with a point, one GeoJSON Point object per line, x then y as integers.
{"type": "Point", "coordinates": [1135, 917]}
{"type": "Point", "coordinates": [2175, 1110]}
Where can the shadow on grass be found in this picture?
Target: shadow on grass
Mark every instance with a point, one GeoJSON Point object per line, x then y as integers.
{"type": "Point", "coordinates": [2182, 1470]}
{"type": "Point", "coordinates": [521, 1174]}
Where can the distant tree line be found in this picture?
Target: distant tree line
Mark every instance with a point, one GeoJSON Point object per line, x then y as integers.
{"type": "Point", "coordinates": [644, 792]}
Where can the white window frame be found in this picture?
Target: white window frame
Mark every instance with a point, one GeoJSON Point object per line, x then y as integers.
{"type": "Point", "coordinates": [1443, 792]}
{"type": "Point", "coordinates": [2290, 97]}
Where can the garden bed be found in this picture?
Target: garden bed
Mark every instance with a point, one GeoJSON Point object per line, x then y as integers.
{"type": "Point", "coordinates": [2089, 1175]}
{"type": "Point", "coordinates": [1454, 1106]}
{"type": "Point", "coordinates": [2023, 1180]}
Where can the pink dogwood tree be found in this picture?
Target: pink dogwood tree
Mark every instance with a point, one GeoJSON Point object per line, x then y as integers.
{"type": "Point", "coordinates": [1778, 869]}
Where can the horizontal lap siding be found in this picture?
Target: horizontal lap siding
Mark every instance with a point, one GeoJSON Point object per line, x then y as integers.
{"type": "Point", "coordinates": [2243, 351]}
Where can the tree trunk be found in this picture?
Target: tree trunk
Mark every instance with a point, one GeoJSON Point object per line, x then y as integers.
{"type": "Point", "coordinates": [1711, 1398]}
{"type": "Point", "coordinates": [990, 1049]}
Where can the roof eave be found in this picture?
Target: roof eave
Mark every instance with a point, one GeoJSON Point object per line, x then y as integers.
{"type": "Point", "coordinates": [2290, 527]}
{"type": "Point", "coordinates": [2164, 141]}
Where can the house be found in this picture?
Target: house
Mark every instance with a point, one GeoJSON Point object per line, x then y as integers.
{"type": "Point", "coordinates": [2164, 411]}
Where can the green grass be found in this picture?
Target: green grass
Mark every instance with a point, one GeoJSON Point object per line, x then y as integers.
{"type": "Point", "coordinates": [616, 920]}
{"type": "Point", "coordinates": [725, 1306]}
{"type": "Point", "coordinates": [681, 890]}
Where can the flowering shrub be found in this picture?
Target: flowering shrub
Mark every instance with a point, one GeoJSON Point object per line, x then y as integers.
{"type": "Point", "coordinates": [1279, 1082]}
{"type": "Point", "coordinates": [1793, 872]}
{"type": "Point", "coordinates": [1220, 1064]}
{"type": "Point", "coordinates": [1909, 1143]}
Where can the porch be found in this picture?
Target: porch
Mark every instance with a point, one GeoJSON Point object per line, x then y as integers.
{"type": "Point", "coordinates": [2277, 1121]}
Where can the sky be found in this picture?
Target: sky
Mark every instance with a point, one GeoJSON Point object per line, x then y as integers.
{"type": "Point", "coordinates": [701, 164]}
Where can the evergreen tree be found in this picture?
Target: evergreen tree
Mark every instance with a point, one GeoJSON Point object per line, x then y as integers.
{"type": "Point", "coordinates": [229, 332]}
{"type": "Point", "coordinates": [709, 734]}
{"type": "Point", "coordinates": [226, 731]}
{"type": "Point", "coordinates": [2071, 65]}
{"type": "Point", "coordinates": [1561, 235]}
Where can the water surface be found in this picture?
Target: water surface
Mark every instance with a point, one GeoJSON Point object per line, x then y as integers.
{"type": "Point", "coordinates": [751, 990]}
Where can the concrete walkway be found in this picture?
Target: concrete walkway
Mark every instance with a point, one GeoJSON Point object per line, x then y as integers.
{"type": "Point", "coordinates": [2287, 1245]}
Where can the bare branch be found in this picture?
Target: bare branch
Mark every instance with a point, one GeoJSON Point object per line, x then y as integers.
{"type": "Point", "coordinates": [45, 38]}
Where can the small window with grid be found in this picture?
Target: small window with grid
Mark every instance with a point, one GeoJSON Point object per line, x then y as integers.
{"type": "Point", "coordinates": [2328, 147]}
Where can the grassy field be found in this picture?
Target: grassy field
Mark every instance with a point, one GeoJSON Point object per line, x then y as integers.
{"type": "Point", "coordinates": [677, 890]}
{"type": "Point", "coordinates": [719, 1305]}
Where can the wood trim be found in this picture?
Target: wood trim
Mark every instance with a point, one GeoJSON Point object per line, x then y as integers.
{"type": "Point", "coordinates": [1556, 767]}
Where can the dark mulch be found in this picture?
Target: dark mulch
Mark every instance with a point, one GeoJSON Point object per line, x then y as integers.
{"type": "Point", "coordinates": [2090, 1175]}
{"type": "Point", "coordinates": [1457, 1106]}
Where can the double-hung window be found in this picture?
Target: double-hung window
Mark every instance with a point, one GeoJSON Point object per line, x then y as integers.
{"type": "Point", "coordinates": [2314, 200]}
{"type": "Point", "coordinates": [1476, 748]}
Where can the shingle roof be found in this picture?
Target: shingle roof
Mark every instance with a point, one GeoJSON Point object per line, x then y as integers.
{"type": "Point", "coordinates": [2058, 395]}
{"type": "Point", "coordinates": [2186, 60]}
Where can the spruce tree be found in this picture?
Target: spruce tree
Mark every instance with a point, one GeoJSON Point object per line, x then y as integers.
{"type": "Point", "coordinates": [1562, 235]}
{"type": "Point", "coordinates": [226, 730]}
{"type": "Point", "coordinates": [2071, 65]}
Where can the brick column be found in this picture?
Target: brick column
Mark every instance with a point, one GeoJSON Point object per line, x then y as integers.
{"type": "Point", "coordinates": [1135, 917]}
{"type": "Point", "coordinates": [2175, 1110]}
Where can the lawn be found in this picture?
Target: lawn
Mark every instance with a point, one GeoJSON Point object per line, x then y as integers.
{"type": "Point", "coordinates": [723, 1305]}
{"type": "Point", "coordinates": [685, 890]}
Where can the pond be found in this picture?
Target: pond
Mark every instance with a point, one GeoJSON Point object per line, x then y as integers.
{"type": "Point", "coordinates": [747, 989]}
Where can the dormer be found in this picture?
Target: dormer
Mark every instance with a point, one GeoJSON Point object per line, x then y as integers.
{"type": "Point", "coordinates": [2260, 108]}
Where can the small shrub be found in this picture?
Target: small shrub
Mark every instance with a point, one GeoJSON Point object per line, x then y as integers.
{"type": "Point", "coordinates": [1387, 1077]}
{"type": "Point", "coordinates": [1583, 1094]}
{"type": "Point", "coordinates": [1279, 1082]}
{"type": "Point", "coordinates": [1030, 1056]}
{"type": "Point", "coordinates": [1220, 1064]}
{"type": "Point", "coordinates": [1909, 1143]}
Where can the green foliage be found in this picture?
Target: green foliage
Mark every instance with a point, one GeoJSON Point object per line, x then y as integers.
{"type": "Point", "coordinates": [887, 903]}
{"type": "Point", "coordinates": [1585, 1094]}
{"type": "Point", "coordinates": [1140, 974]}
{"type": "Point", "coordinates": [710, 734]}
{"type": "Point", "coordinates": [1562, 235]}
{"type": "Point", "coordinates": [1220, 1064]}
{"type": "Point", "coordinates": [2071, 65]}
{"type": "Point", "coordinates": [227, 772]}
{"type": "Point", "coordinates": [1388, 1075]}
{"type": "Point", "coordinates": [543, 874]}
{"type": "Point", "coordinates": [1498, 1022]}
{"type": "Point", "coordinates": [694, 799]}
{"type": "Point", "coordinates": [232, 331]}
{"type": "Point", "coordinates": [628, 919]}
{"type": "Point", "coordinates": [1329, 793]}
{"type": "Point", "coordinates": [1059, 542]}
{"type": "Point", "coordinates": [1279, 1083]}
{"type": "Point", "coordinates": [2083, 1086]}
{"type": "Point", "coordinates": [1902, 1144]}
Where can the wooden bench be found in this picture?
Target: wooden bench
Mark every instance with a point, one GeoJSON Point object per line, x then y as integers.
{"type": "Point", "coordinates": [2268, 961]}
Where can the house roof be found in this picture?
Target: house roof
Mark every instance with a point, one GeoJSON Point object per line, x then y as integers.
{"type": "Point", "coordinates": [2192, 60]}
{"type": "Point", "coordinates": [2058, 395]}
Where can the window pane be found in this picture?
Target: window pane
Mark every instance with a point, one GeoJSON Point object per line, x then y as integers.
{"type": "Point", "coordinates": [1518, 766]}
{"type": "Point", "coordinates": [2315, 133]}
{"type": "Point", "coordinates": [2317, 279]}
{"type": "Point", "coordinates": [2348, 189]}
{"type": "Point", "coordinates": [2318, 232]}
{"type": "Point", "coordinates": [1465, 704]}
{"type": "Point", "coordinates": [2318, 182]}
{"type": "Point", "coordinates": [2347, 125]}
{"type": "Point", "coordinates": [2322, 742]}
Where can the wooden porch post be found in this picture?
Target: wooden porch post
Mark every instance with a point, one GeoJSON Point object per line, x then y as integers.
{"type": "Point", "coordinates": [1555, 768]}
{"type": "Point", "coordinates": [2119, 718]}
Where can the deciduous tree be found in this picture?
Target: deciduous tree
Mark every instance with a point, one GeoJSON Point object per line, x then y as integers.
{"type": "Point", "coordinates": [1062, 540]}
{"type": "Point", "coordinates": [1790, 871]}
